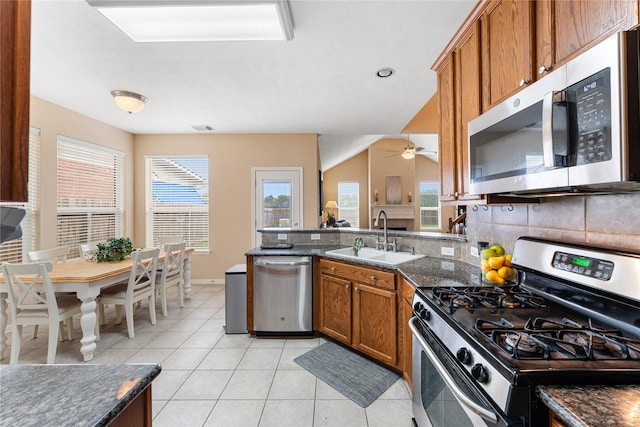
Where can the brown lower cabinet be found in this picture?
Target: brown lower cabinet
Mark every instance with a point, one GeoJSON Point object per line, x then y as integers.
{"type": "Point", "coordinates": [359, 307]}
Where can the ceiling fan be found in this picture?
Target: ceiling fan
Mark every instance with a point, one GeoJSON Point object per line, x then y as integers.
{"type": "Point", "coordinates": [408, 151]}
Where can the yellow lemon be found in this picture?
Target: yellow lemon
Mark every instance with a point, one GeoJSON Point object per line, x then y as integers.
{"type": "Point", "coordinates": [496, 262]}
{"type": "Point", "coordinates": [494, 277]}
{"type": "Point", "coordinates": [506, 273]}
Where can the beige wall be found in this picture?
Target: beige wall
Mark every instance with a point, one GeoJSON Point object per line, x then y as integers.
{"type": "Point", "coordinates": [231, 158]}
{"type": "Point", "coordinates": [355, 170]}
{"type": "Point", "coordinates": [53, 120]}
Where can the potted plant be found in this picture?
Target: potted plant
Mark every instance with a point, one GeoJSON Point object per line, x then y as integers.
{"type": "Point", "coordinates": [114, 249]}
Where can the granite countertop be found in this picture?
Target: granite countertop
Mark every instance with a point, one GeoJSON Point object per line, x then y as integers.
{"type": "Point", "coordinates": [426, 271]}
{"type": "Point", "coordinates": [591, 406]}
{"type": "Point", "coordinates": [70, 395]}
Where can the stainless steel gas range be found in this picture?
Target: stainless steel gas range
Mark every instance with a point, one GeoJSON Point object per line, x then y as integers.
{"type": "Point", "coordinates": [480, 351]}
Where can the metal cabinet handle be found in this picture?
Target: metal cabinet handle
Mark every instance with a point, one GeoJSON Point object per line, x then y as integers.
{"type": "Point", "coordinates": [333, 269]}
{"type": "Point", "coordinates": [355, 289]}
{"type": "Point", "coordinates": [373, 278]}
{"type": "Point", "coordinates": [542, 69]}
{"type": "Point", "coordinates": [523, 82]}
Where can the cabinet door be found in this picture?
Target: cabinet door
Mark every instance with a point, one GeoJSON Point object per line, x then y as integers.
{"type": "Point", "coordinates": [507, 40]}
{"type": "Point", "coordinates": [447, 136]}
{"type": "Point", "coordinates": [375, 323]}
{"type": "Point", "coordinates": [578, 23]}
{"type": "Point", "coordinates": [335, 308]}
{"type": "Point", "coordinates": [406, 347]}
{"type": "Point", "coordinates": [468, 107]}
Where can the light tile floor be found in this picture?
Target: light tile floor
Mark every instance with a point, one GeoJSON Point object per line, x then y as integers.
{"type": "Point", "coordinates": [209, 378]}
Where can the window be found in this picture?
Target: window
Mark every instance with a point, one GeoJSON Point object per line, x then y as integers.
{"type": "Point", "coordinates": [15, 250]}
{"type": "Point", "coordinates": [90, 196]}
{"type": "Point", "coordinates": [177, 202]}
{"type": "Point", "coordinates": [349, 202]}
{"type": "Point", "coordinates": [429, 205]}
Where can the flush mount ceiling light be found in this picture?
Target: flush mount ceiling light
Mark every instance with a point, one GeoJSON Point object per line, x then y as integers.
{"type": "Point", "coordinates": [199, 20]}
{"type": "Point", "coordinates": [383, 73]}
{"type": "Point", "coordinates": [129, 101]}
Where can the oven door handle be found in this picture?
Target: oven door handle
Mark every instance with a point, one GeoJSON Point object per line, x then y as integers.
{"type": "Point", "coordinates": [444, 373]}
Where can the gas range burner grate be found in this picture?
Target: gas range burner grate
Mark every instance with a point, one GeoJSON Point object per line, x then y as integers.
{"type": "Point", "coordinates": [485, 297]}
{"type": "Point", "coordinates": [566, 339]}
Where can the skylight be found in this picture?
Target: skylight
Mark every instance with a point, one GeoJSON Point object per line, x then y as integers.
{"type": "Point", "coordinates": [180, 21]}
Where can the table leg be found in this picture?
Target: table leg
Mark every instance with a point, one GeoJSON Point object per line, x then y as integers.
{"type": "Point", "coordinates": [3, 323]}
{"type": "Point", "coordinates": [187, 277]}
{"type": "Point", "coordinates": [88, 321]}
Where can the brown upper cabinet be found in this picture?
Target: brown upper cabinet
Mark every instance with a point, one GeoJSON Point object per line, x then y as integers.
{"type": "Point", "coordinates": [15, 39]}
{"type": "Point", "coordinates": [502, 46]}
{"type": "Point", "coordinates": [507, 44]}
{"type": "Point", "coordinates": [565, 28]}
{"type": "Point", "coordinates": [460, 101]}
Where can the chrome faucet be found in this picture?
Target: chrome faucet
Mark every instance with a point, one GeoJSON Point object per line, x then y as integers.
{"type": "Point", "coordinates": [385, 243]}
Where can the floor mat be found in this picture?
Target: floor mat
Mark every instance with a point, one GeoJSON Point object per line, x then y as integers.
{"type": "Point", "coordinates": [354, 376]}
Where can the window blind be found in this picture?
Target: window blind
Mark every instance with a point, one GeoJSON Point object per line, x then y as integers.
{"type": "Point", "coordinates": [15, 250]}
{"type": "Point", "coordinates": [90, 195]}
{"type": "Point", "coordinates": [349, 202]}
{"type": "Point", "coordinates": [177, 199]}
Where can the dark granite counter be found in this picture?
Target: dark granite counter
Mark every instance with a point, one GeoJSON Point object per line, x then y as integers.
{"type": "Point", "coordinates": [70, 395]}
{"type": "Point", "coordinates": [594, 406]}
{"type": "Point", "coordinates": [427, 271]}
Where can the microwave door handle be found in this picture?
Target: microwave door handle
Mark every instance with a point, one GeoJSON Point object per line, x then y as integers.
{"type": "Point", "coordinates": [446, 376]}
{"type": "Point", "coordinates": [547, 131]}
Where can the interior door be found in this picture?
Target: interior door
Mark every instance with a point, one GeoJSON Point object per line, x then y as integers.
{"type": "Point", "coordinates": [277, 199]}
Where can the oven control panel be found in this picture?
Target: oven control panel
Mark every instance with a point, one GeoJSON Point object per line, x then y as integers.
{"type": "Point", "coordinates": [585, 266]}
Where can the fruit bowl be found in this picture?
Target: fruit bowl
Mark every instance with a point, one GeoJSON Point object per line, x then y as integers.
{"type": "Point", "coordinates": [496, 266]}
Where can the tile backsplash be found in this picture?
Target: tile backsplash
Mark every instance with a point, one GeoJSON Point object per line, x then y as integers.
{"type": "Point", "coordinates": [603, 220]}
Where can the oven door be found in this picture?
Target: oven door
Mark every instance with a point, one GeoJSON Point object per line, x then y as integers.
{"type": "Point", "coordinates": [443, 393]}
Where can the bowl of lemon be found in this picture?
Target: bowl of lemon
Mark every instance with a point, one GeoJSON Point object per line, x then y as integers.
{"type": "Point", "coordinates": [496, 266]}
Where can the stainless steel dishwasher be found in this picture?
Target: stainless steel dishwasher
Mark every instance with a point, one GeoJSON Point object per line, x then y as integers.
{"type": "Point", "coordinates": [282, 295]}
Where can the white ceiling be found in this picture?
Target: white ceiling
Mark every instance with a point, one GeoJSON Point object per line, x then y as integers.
{"type": "Point", "coordinates": [323, 81]}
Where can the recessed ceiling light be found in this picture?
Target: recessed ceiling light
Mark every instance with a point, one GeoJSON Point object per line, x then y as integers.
{"type": "Point", "coordinates": [384, 72]}
{"type": "Point", "coordinates": [198, 20]}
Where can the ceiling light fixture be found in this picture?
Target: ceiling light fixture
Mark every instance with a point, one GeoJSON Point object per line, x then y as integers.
{"type": "Point", "coordinates": [409, 152]}
{"type": "Point", "coordinates": [129, 101]}
{"type": "Point", "coordinates": [199, 20]}
{"type": "Point", "coordinates": [383, 73]}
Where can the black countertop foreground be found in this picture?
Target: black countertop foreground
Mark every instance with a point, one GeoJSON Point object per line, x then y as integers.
{"type": "Point", "coordinates": [70, 395]}
{"type": "Point", "coordinates": [594, 406]}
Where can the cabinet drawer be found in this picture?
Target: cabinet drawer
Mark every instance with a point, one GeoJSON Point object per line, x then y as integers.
{"type": "Point", "coordinates": [366, 275]}
{"type": "Point", "coordinates": [407, 291]}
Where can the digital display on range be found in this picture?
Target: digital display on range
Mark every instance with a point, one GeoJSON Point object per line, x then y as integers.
{"type": "Point", "coordinates": [584, 266]}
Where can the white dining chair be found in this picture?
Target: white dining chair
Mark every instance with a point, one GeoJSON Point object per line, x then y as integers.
{"type": "Point", "coordinates": [171, 273]}
{"type": "Point", "coordinates": [88, 250]}
{"type": "Point", "coordinates": [163, 239]}
{"type": "Point", "coordinates": [32, 301]}
{"type": "Point", "coordinates": [56, 256]}
{"type": "Point", "coordinates": [141, 286]}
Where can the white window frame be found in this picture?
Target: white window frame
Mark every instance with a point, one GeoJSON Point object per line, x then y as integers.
{"type": "Point", "coordinates": [196, 237]}
{"type": "Point", "coordinates": [90, 211]}
{"type": "Point", "coordinates": [354, 218]}
{"type": "Point", "coordinates": [429, 208]}
{"type": "Point", "coordinates": [15, 251]}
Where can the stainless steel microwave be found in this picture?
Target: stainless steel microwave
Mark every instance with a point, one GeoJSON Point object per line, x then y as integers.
{"type": "Point", "coordinates": [575, 130]}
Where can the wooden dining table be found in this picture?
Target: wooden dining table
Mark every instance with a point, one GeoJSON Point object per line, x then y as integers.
{"type": "Point", "coordinates": [86, 279]}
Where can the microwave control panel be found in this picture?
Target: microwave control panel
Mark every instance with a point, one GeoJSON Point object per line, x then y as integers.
{"type": "Point", "coordinates": [593, 117]}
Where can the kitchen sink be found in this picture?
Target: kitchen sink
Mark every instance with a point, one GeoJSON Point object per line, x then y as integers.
{"type": "Point", "coordinates": [376, 255]}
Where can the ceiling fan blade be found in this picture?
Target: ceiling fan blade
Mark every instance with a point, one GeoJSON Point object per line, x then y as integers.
{"type": "Point", "coordinates": [419, 149]}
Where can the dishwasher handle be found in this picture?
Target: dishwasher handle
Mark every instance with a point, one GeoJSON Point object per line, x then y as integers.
{"type": "Point", "coordinates": [299, 261]}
